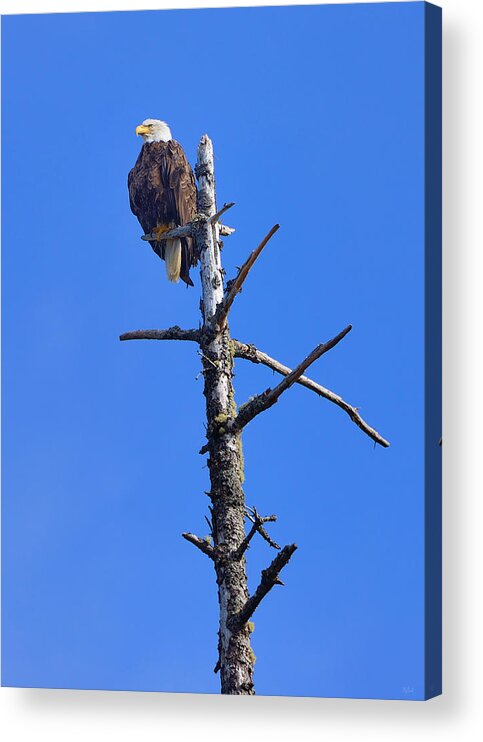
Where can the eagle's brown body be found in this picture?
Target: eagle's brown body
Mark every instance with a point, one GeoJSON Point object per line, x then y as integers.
{"type": "Point", "coordinates": [162, 193]}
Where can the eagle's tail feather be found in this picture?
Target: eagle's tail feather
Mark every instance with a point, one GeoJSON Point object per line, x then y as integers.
{"type": "Point", "coordinates": [172, 258]}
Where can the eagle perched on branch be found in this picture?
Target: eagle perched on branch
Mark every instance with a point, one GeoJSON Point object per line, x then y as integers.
{"type": "Point", "coordinates": [162, 194]}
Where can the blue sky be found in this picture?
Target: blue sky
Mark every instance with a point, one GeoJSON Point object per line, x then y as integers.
{"type": "Point", "coordinates": [316, 114]}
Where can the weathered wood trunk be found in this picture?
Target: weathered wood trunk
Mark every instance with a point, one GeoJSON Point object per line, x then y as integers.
{"type": "Point", "coordinates": [225, 462]}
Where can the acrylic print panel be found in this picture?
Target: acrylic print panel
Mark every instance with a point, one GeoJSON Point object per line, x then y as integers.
{"type": "Point", "coordinates": [325, 119]}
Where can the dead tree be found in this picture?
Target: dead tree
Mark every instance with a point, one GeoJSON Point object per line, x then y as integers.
{"type": "Point", "coordinates": [225, 423]}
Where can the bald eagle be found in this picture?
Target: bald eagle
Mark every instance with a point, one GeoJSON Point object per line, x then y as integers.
{"type": "Point", "coordinates": [162, 194]}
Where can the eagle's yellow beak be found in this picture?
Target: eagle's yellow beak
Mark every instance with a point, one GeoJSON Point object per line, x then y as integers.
{"type": "Point", "coordinates": [141, 129]}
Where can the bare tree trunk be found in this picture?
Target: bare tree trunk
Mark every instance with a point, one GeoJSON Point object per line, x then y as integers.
{"type": "Point", "coordinates": [225, 461]}
{"type": "Point", "coordinates": [224, 429]}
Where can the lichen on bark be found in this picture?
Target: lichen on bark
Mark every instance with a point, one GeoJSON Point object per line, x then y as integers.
{"type": "Point", "coordinates": [225, 462]}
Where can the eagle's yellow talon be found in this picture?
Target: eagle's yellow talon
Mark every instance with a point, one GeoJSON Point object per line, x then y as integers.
{"type": "Point", "coordinates": [160, 230]}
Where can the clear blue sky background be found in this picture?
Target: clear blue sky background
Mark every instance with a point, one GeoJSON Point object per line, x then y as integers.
{"type": "Point", "coordinates": [317, 119]}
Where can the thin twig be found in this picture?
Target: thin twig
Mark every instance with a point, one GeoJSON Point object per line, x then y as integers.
{"type": "Point", "coordinates": [221, 315]}
{"type": "Point", "coordinates": [257, 526]}
{"type": "Point", "coordinates": [216, 217]}
{"type": "Point", "coordinates": [172, 333]}
{"type": "Point", "coordinates": [201, 543]}
{"type": "Point", "coordinates": [251, 353]}
{"type": "Point", "coordinates": [269, 397]}
{"type": "Point", "coordinates": [270, 577]}
{"type": "Point", "coordinates": [210, 525]}
{"type": "Point", "coordinates": [202, 355]}
{"type": "Point", "coordinates": [263, 533]}
{"type": "Point", "coordinates": [245, 543]}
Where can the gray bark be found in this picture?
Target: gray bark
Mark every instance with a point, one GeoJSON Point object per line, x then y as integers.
{"type": "Point", "coordinates": [225, 462]}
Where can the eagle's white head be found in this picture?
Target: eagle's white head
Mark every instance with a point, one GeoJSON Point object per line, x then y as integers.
{"type": "Point", "coordinates": [154, 130]}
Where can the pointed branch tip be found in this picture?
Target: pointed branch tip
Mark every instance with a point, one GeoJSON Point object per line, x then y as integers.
{"type": "Point", "coordinates": [216, 217]}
